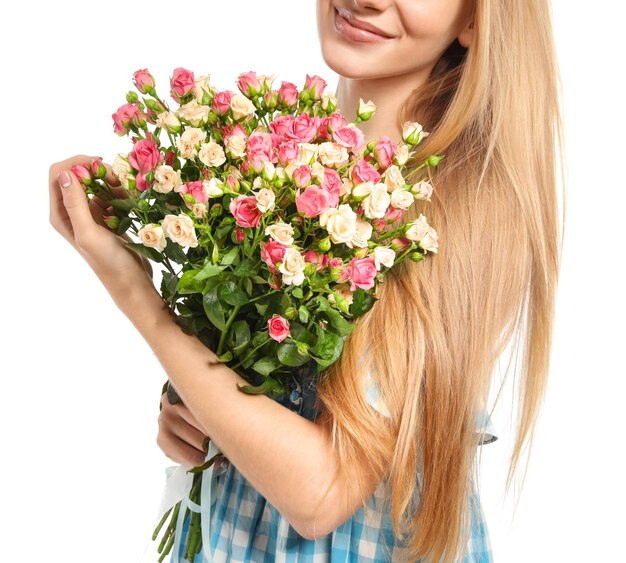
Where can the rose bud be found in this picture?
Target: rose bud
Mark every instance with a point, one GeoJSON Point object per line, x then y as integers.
{"type": "Point", "coordinates": [144, 81]}
{"type": "Point", "coordinates": [98, 170]}
{"type": "Point", "coordinates": [132, 97]}
{"type": "Point", "coordinates": [82, 173]}
{"type": "Point", "coordinates": [366, 109]}
{"type": "Point", "coordinates": [112, 222]}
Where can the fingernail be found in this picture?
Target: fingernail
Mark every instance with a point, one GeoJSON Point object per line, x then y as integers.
{"type": "Point", "coordinates": [64, 179]}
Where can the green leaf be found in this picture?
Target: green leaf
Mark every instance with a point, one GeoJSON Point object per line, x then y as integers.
{"type": "Point", "coordinates": [169, 283]}
{"type": "Point", "coordinates": [175, 252]}
{"type": "Point", "coordinates": [247, 268]}
{"type": "Point", "coordinates": [266, 365]}
{"type": "Point", "coordinates": [297, 292]}
{"type": "Point", "coordinates": [362, 302]}
{"type": "Point", "coordinates": [233, 295]}
{"type": "Point", "coordinates": [247, 285]}
{"type": "Point", "coordinates": [209, 270]}
{"type": "Point", "coordinates": [289, 355]}
{"type": "Point", "coordinates": [214, 309]}
{"type": "Point", "coordinates": [147, 251]}
{"type": "Point", "coordinates": [225, 357]}
{"type": "Point", "coordinates": [329, 345]}
{"type": "Point", "coordinates": [189, 284]}
{"type": "Point", "coordinates": [303, 314]}
{"type": "Point", "coordinates": [240, 334]}
{"type": "Point", "coordinates": [301, 334]}
{"type": "Point", "coordinates": [230, 256]}
{"type": "Point", "coordinates": [125, 222]}
{"type": "Point", "coordinates": [341, 325]}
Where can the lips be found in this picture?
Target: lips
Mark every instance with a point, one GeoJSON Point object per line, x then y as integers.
{"type": "Point", "coordinates": [349, 16]}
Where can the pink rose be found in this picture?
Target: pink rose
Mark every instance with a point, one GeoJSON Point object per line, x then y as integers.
{"type": "Point", "coordinates": [312, 201]}
{"type": "Point", "coordinates": [321, 260]}
{"type": "Point", "coordinates": [273, 252]}
{"type": "Point", "coordinates": [384, 151]}
{"type": "Point", "coordinates": [346, 136]}
{"type": "Point", "coordinates": [144, 81]}
{"type": "Point", "coordinates": [245, 211]}
{"type": "Point", "coordinates": [360, 272]}
{"type": "Point", "coordinates": [288, 94]}
{"type": "Point", "coordinates": [260, 143]}
{"type": "Point", "coordinates": [248, 84]}
{"type": "Point", "coordinates": [303, 128]}
{"type": "Point", "coordinates": [379, 224]}
{"type": "Point", "coordinates": [322, 129]}
{"type": "Point", "coordinates": [302, 176]}
{"type": "Point", "coordinates": [335, 262]}
{"type": "Point", "coordinates": [278, 327]}
{"type": "Point", "coordinates": [141, 182]}
{"type": "Point", "coordinates": [315, 86]}
{"type": "Point", "coordinates": [363, 171]}
{"type": "Point", "coordinates": [400, 243]}
{"type": "Point", "coordinates": [392, 214]}
{"type": "Point", "coordinates": [281, 125]}
{"type": "Point", "coordinates": [81, 171]}
{"type": "Point", "coordinates": [332, 184]}
{"type": "Point", "coordinates": [336, 121]}
{"type": "Point", "coordinates": [181, 83]}
{"type": "Point", "coordinates": [145, 155]}
{"type": "Point", "coordinates": [123, 117]}
{"type": "Point", "coordinates": [288, 151]}
{"type": "Point", "coordinates": [196, 190]}
{"type": "Point", "coordinates": [239, 235]}
{"type": "Point", "coordinates": [221, 102]}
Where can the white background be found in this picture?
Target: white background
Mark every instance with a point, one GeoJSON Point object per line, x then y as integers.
{"type": "Point", "coordinates": [81, 472]}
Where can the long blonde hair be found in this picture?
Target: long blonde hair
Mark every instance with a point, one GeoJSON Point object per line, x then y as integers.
{"type": "Point", "coordinates": [439, 327]}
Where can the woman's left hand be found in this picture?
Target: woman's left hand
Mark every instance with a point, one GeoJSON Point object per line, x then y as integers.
{"type": "Point", "coordinates": [79, 219]}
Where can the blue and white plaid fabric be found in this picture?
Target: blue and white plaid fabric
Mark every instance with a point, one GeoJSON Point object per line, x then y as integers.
{"type": "Point", "coordinates": [246, 528]}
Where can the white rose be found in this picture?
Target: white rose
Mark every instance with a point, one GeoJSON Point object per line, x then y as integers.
{"type": "Point", "coordinates": [194, 113]}
{"type": "Point", "coordinates": [212, 154]}
{"type": "Point", "coordinates": [201, 85]}
{"type": "Point", "coordinates": [180, 229]}
{"type": "Point", "coordinates": [308, 153]}
{"type": "Point", "coordinates": [120, 164]}
{"type": "Point", "coordinates": [401, 155]}
{"type": "Point", "coordinates": [168, 120]}
{"type": "Point", "coordinates": [269, 170]}
{"type": "Point", "coordinates": [185, 149]}
{"type": "Point", "coordinates": [362, 190]}
{"type": "Point", "coordinates": [384, 256]}
{"type": "Point", "coordinates": [332, 155]}
{"type": "Point", "coordinates": [199, 210]}
{"type": "Point", "coordinates": [281, 232]}
{"type": "Point", "coordinates": [376, 203]}
{"type": "Point", "coordinates": [366, 109]}
{"type": "Point", "coordinates": [153, 236]}
{"type": "Point", "coordinates": [236, 146]}
{"type": "Point", "coordinates": [266, 80]}
{"type": "Point", "coordinates": [401, 199]}
{"type": "Point", "coordinates": [328, 97]}
{"type": "Point", "coordinates": [265, 201]}
{"type": "Point", "coordinates": [124, 177]}
{"type": "Point", "coordinates": [317, 171]}
{"type": "Point", "coordinates": [166, 179]}
{"type": "Point", "coordinates": [412, 132]}
{"type": "Point", "coordinates": [430, 241]}
{"type": "Point", "coordinates": [421, 232]}
{"type": "Point", "coordinates": [241, 106]}
{"type": "Point", "coordinates": [362, 234]}
{"type": "Point", "coordinates": [393, 178]}
{"type": "Point", "coordinates": [280, 172]}
{"type": "Point", "coordinates": [423, 190]}
{"type": "Point", "coordinates": [257, 183]}
{"type": "Point", "coordinates": [292, 267]}
{"type": "Point", "coordinates": [340, 222]}
{"type": "Point", "coordinates": [193, 136]}
{"type": "Point", "coordinates": [212, 188]}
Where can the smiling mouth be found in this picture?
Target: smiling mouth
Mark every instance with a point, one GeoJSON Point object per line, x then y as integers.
{"type": "Point", "coordinates": [351, 32]}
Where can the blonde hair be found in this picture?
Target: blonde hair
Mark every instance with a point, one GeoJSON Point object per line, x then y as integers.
{"type": "Point", "coordinates": [439, 327]}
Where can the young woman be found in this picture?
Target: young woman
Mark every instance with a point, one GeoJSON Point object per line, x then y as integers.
{"type": "Point", "coordinates": [344, 481]}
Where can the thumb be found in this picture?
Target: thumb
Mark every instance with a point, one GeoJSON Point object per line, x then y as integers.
{"type": "Point", "coordinates": [76, 202]}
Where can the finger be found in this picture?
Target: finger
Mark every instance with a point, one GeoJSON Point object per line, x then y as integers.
{"type": "Point", "coordinates": [184, 431]}
{"type": "Point", "coordinates": [76, 204]}
{"type": "Point", "coordinates": [188, 417]}
{"type": "Point", "coordinates": [179, 451]}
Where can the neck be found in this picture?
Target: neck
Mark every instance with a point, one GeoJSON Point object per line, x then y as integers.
{"type": "Point", "coordinates": [388, 93]}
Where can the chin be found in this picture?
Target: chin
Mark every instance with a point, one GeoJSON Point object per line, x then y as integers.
{"type": "Point", "coordinates": [346, 63]}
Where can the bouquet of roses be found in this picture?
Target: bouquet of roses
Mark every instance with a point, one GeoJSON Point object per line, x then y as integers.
{"type": "Point", "coordinates": [274, 219]}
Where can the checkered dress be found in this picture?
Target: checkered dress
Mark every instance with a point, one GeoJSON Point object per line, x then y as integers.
{"type": "Point", "coordinates": [245, 527]}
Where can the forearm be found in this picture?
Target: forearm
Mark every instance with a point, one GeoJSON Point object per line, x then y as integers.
{"type": "Point", "coordinates": [286, 457]}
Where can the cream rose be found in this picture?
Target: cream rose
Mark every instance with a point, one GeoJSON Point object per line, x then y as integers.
{"type": "Point", "coordinates": [166, 179]}
{"type": "Point", "coordinates": [180, 229]}
{"type": "Point", "coordinates": [340, 223]}
{"type": "Point", "coordinates": [308, 153]}
{"type": "Point", "coordinates": [194, 113]}
{"type": "Point", "coordinates": [393, 178]}
{"type": "Point", "coordinates": [201, 85]}
{"type": "Point", "coordinates": [168, 120]}
{"type": "Point", "coordinates": [120, 164]}
{"type": "Point", "coordinates": [366, 109]}
{"type": "Point", "coordinates": [423, 190]}
{"type": "Point", "coordinates": [362, 234]}
{"type": "Point", "coordinates": [153, 236]}
{"type": "Point", "coordinates": [124, 177]}
{"type": "Point", "coordinates": [362, 190]}
{"type": "Point", "coordinates": [212, 188]}
{"type": "Point", "coordinates": [265, 199]}
{"type": "Point", "coordinates": [332, 155]}
{"type": "Point", "coordinates": [189, 140]}
{"type": "Point", "coordinates": [212, 154]}
{"type": "Point", "coordinates": [421, 232]}
{"type": "Point", "coordinates": [199, 210]}
{"type": "Point", "coordinates": [241, 106]}
{"type": "Point", "coordinates": [234, 172]}
{"type": "Point", "coordinates": [328, 98]}
{"type": "Point", "coordinates": [384, 256]}
{"type": "Point", "coordinates": [236, 146]}
{"type": "Point", "coordinates": [412, 132]}
{"type": "Point", "coordinates": [269, 170]}
{"type": "Point", "coordinates": [401, 199]}
{"type": "Point", "coordinates": [292, 267]}
{"type": "Point", "coordinates": [343, 289]}
{"type": "Point", "coordinates": [430, 241]}
{"type": "Point", "coordinates": [317, 171]}
{"type": "Point", "coordinates": [281, 232]}
{"type": "Point", "coordinates": [346, 187]}
{"type": "Point", "coordinates": [376, 203]}
{"type": "Point", "coordinates": [401, 155]}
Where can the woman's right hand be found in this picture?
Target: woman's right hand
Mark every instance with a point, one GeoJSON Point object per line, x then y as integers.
{"type": "Point", "coordinates": [180, 436]}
